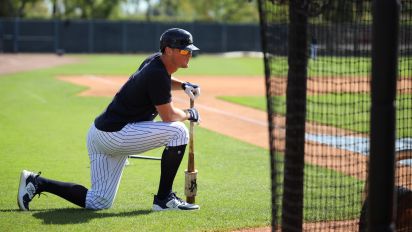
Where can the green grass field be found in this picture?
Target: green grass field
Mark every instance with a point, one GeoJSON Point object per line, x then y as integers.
{"type": "Point", "coordinates": [43, 128]}
{"type": "Point", "coordinates": [326, 66]}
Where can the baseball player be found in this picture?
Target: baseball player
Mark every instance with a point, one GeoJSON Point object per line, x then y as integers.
{"type": "Point", "coordinates": [127, 127]}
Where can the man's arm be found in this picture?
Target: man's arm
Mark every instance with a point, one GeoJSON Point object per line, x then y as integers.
{"type": "Point", "coordinates": [176, 83]}
{"type": "Point", "coordinates": [192, 90]}
{"type": "Point", "coordinates": [169, 113]}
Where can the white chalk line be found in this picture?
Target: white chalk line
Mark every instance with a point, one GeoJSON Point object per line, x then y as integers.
{"type": "Point", "coordinates": [225, 113]}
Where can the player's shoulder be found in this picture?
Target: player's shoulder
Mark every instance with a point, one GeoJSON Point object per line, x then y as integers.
{"type": "Point", "coordinates": [152, 59]}
{"type": "Point", "coordinates": [153, 67]}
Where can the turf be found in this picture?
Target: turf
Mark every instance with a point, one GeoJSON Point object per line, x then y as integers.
{"type": "Point", "coordinates": [203, 65]}
{"type": "Point", "coordinates": [327, 66]}
{"type": "Point", "coordinates": [43, 126]}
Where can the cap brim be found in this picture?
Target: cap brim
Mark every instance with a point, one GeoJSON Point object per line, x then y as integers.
{"type": "Point", "coordinates": [191, 47]}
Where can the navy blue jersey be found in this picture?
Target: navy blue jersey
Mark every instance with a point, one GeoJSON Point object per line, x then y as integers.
{"type": "Point", "coordinates": [149, 86]}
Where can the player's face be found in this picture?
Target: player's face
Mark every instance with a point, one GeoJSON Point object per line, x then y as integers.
{"type": "Point", "coordinates": [182, 57]}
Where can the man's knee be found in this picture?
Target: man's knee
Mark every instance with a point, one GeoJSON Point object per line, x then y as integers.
{"type": "Point", "coordinates": [181, 128]}
{"type": "Point", "coordinates": [182, 134]}
{"type": "Point", "coordinates": [95, 202]}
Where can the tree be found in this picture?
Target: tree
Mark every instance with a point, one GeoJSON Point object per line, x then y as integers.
{"type": "Point", "coordinates": [208, 10]}
{"type": "Point", "coordinates": [232, 11]}
{"type": "Point", "coordinates": [6, 9]}
{"type": "Point", "coordinates": [15, 8]}
{"type": "Point", "coordinates": [85, 9]}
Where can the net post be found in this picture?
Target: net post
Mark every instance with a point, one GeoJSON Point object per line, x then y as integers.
{"type": "Point", "coordinates": [292, 206]}
{"type": "Point", "coordinates": [385, 31]}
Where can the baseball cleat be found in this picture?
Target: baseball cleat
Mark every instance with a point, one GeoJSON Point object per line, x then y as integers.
{"type": "Point", "coordinates": [28, 188]}
{"type": "Point", "coordinates": [172, 202]}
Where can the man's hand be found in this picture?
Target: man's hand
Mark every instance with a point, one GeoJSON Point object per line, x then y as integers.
{"type": "Point", "coordinates": [193, 115]}
{"type": "Point", "coordinates": [192, 90]}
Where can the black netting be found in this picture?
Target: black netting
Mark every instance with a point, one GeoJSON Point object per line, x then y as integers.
{"type": "Point", "coordinates": [318, 58]}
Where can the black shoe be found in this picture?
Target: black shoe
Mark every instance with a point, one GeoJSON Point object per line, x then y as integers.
{"type": "Point", "coordinates": [172, 202]}
{"type": "Point", "coordinates": [28, 188]}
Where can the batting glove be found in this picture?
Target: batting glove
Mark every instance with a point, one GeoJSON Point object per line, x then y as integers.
{"type": "Point", "coordinates": [192, 90]}
{"type": "Point", "coordinates": [194, 115]}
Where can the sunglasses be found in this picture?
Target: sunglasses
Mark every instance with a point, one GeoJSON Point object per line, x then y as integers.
{"type": "Point", "coordinates": [185, 52]}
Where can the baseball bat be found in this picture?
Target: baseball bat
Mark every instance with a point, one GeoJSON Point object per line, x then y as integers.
{"type": "Point", "coordinates": [191, 172]}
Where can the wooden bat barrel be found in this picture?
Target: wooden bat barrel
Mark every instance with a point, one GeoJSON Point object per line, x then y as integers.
{"type": "Point", "coordinates": [190, 184]}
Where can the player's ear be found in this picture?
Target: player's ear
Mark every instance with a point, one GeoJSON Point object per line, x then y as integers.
{"type": "Point", "coordinates": [168, 51]}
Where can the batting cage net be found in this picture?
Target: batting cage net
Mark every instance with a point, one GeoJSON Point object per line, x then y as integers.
{"type": "Point", "coordinates": [318, 58]}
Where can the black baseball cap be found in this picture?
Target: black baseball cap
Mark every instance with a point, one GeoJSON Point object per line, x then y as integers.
{"type": "Point", "coordinates": [177, 38]}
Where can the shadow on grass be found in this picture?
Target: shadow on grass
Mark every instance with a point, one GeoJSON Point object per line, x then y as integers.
{"type": "Point", "coordinates": [78, 216]}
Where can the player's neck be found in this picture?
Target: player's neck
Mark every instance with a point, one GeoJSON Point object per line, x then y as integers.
{"type": "Point", "coordinates": [170, 67]}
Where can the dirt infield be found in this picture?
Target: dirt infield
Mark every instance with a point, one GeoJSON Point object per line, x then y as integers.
{"type": "Point", "coordinates": [12, 63]}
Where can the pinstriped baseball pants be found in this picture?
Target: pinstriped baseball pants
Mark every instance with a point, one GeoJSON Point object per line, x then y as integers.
{"type": "Point", "coordinates": [108, 152]}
